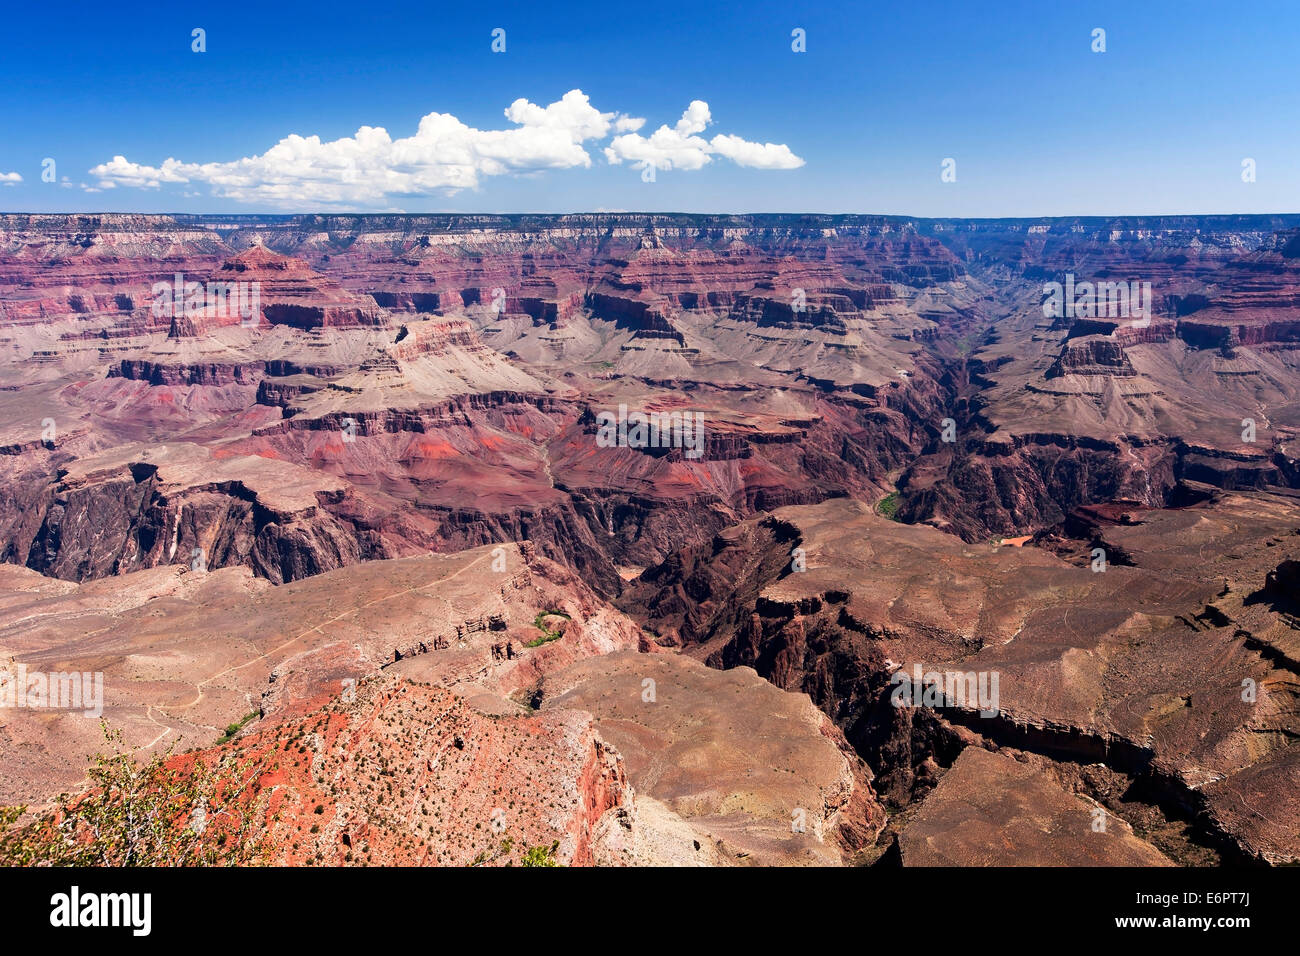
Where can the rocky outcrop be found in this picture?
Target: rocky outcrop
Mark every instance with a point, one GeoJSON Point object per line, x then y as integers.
{"type": "Point", "coordinates": [397, 776]}
{"type": "Point", "coordinates": [991, 810]}
{"type": "Point", "coordinates": [292, 294]}
{"type": "Point", "coordinates": [1093, 355]}
{"type": "Point", "coordinates": [814, 630]}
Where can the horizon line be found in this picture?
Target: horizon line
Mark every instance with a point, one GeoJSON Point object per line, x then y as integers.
{"type": "Point", "coordinates": [632, 212]}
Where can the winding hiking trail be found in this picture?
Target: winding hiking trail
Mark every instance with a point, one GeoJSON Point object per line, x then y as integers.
{"type": "Point", "coordinates": [293, 640]}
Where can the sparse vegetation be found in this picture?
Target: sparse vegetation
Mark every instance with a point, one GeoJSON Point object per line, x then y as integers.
{"type": "Point", "coordinates": [132, 814]}
{"type": "Point", "coordinates": [888, 506]}
{"type": "Point", "coordinates": [540, 855]}
{"type": "Point", "coordinates": [235, 728]}
{"type": "Point", "coordinates": [548, 635]}
{"type": "Point", "coordinates": [532, 856]}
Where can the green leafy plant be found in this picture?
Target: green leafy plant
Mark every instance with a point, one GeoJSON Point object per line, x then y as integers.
{"type": "Point", "coordinates": [540, 855]}
{"type": "Point", "coordinates": [159, 813]}
{"type": "Point", "coordinates": [233, 729]}
{"type": "Point", "coordinates": [548, 635]}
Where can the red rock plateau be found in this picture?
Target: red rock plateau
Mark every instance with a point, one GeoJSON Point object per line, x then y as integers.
{"type": "Point", "coordinates": [344, 481]}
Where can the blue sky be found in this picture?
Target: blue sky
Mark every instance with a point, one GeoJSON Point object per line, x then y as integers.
{"type": "Point", "coordinates": [1037, 122]}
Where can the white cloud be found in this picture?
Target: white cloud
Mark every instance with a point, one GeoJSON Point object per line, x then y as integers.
{"type": "Point", "coordinates": [695, 119]}
{"type": "Point", "coordinates": [368, 168]}
{"type": "Point", "coordinates": [10, 179]}
{"type": "Point", "coordinates": [121, 170]}
{"type": "Point", "coordinates": [679, 148]}
{"type": "Point", "coordinates": [758, 155]}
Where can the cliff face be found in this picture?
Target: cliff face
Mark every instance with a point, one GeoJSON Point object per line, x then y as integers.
{"type": "Point", "coordinates": [715, 741]}
{"type": "Point", "coordinates": [1092, 355]}
{"type": "Point", "coordinates": [445, 432]}
{"type": "Point", "coordinates": [824, 352]}
{"type": "Point", "coordinates": [1088, 664]}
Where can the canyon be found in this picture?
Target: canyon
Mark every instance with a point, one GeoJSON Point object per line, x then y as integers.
{"type": "Point", "coordinates": [371, 530]}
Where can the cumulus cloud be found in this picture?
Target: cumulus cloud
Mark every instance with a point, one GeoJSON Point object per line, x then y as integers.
{"type": "Point", "coordinates": [369, 167]}
{"type": "Point", "coordinates": [10, 179]}
{"type": "Point", "coordinates": [667, 148]}
{"type": "Point", "coordinates": [678, 147]}
{"type": "Point", "coordinates": [758, 155]}
{"type": "Point", "coordinates": [120, 170]}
